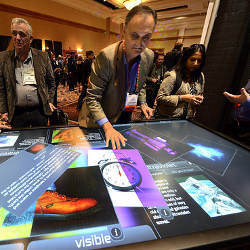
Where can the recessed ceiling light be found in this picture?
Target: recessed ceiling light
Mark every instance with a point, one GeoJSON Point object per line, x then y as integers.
{"type": "Point", "coordinates": [180, 17]}
{"type": "Point", "coordinates": [129, 4]}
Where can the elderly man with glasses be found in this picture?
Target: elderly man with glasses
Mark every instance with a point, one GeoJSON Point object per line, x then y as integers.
{"type": "Point", "coordinates": [27, 83]}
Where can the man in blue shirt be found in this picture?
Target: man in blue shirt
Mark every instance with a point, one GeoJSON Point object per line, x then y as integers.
{"type": "Point", "coordinates": [118, 76]}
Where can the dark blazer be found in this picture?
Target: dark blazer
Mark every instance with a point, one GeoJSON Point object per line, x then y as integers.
{"type": "Point", "coordinates": [44, 79]}
{"type": "Point", "coordinates": [107, 90]}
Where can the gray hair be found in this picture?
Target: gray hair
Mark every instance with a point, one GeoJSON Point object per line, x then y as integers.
{"type": "Point", "coordinates": [140, 9]}
{"type": "Point", "coordinates": [18, 20]}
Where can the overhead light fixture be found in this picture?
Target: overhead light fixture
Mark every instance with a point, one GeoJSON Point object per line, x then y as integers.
{"type": "Point", "coordinates": [180, 17]}
{"type": "Point", "coordinates": [130, 4]}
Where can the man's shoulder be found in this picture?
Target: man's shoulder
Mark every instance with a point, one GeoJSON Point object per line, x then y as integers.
{"type": "Point", "coordinates": [110, 50]}
{"type": "Point", "coordinates": [148, 52]}
{"type": "Point", "coordinates": [148, 56]}
{"type": "Point", "coordinates": [39, 52]}
{"type": "Point", "coordinates": [108, 53]}
{"type": "Point", "coordinates": [111, 47]}
{"type": "Point", "coordinates": [6, 53]}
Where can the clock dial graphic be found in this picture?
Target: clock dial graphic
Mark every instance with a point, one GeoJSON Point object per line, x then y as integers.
{"type": "Point", "coordinates": [121, 176]}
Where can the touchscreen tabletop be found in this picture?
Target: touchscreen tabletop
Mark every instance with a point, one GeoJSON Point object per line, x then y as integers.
{"type": "Point", "coordinates": [172, 178]}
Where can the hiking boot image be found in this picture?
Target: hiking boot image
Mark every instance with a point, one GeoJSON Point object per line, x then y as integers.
{"type": "Point", "coordinates": [57, 206]}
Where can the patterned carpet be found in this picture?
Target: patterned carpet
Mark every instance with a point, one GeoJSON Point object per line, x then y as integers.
{"type": "Point", "coordinates": [67, 101]}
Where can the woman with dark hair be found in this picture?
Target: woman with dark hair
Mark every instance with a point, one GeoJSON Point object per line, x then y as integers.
{"type": "Point", "coordinates": [182, 88]}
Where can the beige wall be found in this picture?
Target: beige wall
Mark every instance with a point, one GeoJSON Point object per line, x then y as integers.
{"type": "Point", "coordinates": [188, 42]}
{"type": "Point", "coordinates": [167, 45]}
{"type": "Point", "coordinates": [70, 36]}
{"type": "Point", "coordinates": [55, 9]}
{"type": "Point", "coordinates": [165, 34]}
{"type": "Point", "coordinates": [73, 37]}
{"type": "Point", "coordinates": [192, 32]}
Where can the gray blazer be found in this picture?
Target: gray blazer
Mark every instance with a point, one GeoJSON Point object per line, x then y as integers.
{"type": "Point", "coordinates": [107, 88]}
{"type": "Point", "coordinates": [44, 79]}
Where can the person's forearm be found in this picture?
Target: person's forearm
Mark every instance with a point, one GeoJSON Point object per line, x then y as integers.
{"type": "Point", "coordinates": [184, 98]}
{"type": "Point", "coordinates": [107, 125]}
{"type": "Point", "coordinates": [102, 121]}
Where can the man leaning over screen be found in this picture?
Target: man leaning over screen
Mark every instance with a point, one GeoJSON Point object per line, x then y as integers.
{"type": "Point", "coordinates": [118, 75]}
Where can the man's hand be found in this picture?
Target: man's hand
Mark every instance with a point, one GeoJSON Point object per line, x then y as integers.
{"type": "Point", "coordinates": [3, 126]}
{"type": "Point", "coordinates": [114, 136]}
{"type": "Point", "coordinates": [242, 98]}
{"type": "Point", "coordinates": [57, 69]}
{"type": "Point", "coordinates": [192, 99]}
{"type": "Point", "coordinates": [52, 107]}
{"type": "Point", "coordinates": [4, 117]}
{"type": "Point", "coordinates": [4, 122]}
{"type": "Point", "coordinates": [147, 111]}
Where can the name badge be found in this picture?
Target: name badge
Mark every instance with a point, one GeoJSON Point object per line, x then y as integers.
{"type": "Point", "coordinates": [29, 77]}
{"type": "Point", "coordinates": [131, 102]}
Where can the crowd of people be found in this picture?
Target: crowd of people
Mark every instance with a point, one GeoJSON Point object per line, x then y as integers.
{"type": "Point", "coordinates": [122, 76]}
{"type": "Point", "coordinates": [72, 70]}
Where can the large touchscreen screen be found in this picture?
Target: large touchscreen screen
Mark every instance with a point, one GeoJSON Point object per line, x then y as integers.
{"type": "Point", "coordinates": [172, 178]}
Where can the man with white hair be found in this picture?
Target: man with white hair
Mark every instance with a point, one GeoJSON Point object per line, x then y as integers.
{"type": "Point", "coordinates": [27, 82]}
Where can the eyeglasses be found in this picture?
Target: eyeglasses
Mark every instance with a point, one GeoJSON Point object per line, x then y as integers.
{"type": "Point", "coordinates": [20, 33]}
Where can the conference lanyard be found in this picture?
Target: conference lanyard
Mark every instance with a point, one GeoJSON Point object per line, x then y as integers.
{"type": "Point", "coordinates": [137, 75]}
{"type": "Point", "coordinates": [131, 97]}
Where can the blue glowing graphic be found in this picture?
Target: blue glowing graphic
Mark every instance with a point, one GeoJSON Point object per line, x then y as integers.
{"type": "Point", "coordinates": [207, 152]}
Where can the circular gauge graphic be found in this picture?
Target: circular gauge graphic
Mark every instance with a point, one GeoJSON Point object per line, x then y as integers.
{"type": "Point", "coordinates": [127, 160]}
{"type": "Point", "coordinates": [121, 176]}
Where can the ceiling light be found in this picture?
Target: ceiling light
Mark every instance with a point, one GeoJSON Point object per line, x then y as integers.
{"type": "Point", "coordinates": [180, 17]}
{"type": "Point", "coordinates": [130, 4]}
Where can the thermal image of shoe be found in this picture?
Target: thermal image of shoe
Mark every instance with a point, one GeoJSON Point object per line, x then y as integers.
{"type": "Point", "coordinates": [52, 203]}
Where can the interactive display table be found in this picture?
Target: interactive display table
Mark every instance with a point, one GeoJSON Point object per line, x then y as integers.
{"type": "Point", "coordinates": [61, 188]}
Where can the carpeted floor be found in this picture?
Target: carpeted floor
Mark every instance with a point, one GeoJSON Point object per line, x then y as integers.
{"type": "Point", "coordinates": [67, 101]}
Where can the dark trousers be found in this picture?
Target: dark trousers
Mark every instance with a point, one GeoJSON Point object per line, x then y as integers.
{"type": "Point", "coordinates": [151, 94]}
{"type": "Point", "coordinates": [72, 80]}
{"type": "Point", "coordinates": [57, 81]}
{"type": "Point", "coordinates": [125, 117]}
{"type": "Point", "coordinates": [29, 117]}
{"type": "Point", "coordinates": [82, 95]}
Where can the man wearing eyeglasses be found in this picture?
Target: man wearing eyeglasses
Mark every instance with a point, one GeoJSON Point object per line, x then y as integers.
{"type": "Point", "coordinates": [27, 83]}
{"type": "Point", "coordinates": [117, 79]}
